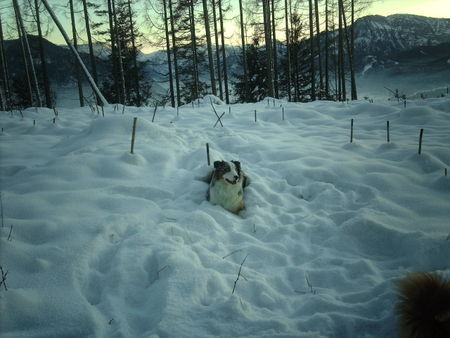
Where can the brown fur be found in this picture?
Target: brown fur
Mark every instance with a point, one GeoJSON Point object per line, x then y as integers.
{"type": "Point", "coordinates": [423, 307]}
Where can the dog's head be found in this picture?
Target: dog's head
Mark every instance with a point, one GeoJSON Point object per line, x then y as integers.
{"type": "Point", "coordinates": [229, 171]}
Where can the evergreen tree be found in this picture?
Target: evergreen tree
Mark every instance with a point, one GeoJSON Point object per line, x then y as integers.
{"type": "Point", "coordinates": [252, 86]}
{"type": "Point", "coordinates": [126, 37]}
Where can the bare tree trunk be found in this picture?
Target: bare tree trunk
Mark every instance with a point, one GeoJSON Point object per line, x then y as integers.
{"type": "Point", "coordinates": [91, 48]}
{"type": "Point", "coordinates": [288, 51]}
{"type": "Point", "coordinates": [311, 37]}
{"type": "Point", "coordinates": [224, 56]}
{"type": "Point", "coordinates": [244, 57]}
{"type": "Point", "coordinates": [124, 95]}
{"type": "Point", "coordinates": [319, 54]}
{"type": "Point", "coordinates": [350, 55]}
{"type": "Point", "coordinates": [327, 47]}
{"type": "Point", "coordinates": [75, 44]}
{"type": "Point", "coordinates": [169, 61]}
{"type": "Point", "coordinates": [175, 58]}
{"type": "Point", "coordinates": [48, 98]}
{"type": "Point", "coordinates": [194, 50]}
{"type": "Point", "coordinates": [352, 52]}
{"type": "Point", "coordinates": [209, 47]}
{"type": "Point", "coordinates": [342, 96]}
{"type": "Point", "coordinates": [133, 46]}
{"type": "Point", "coordinates": [268, 41]}
{"type": "Point", "coordinates": [216, 37]}
{"type": "Point", "coordinates": [4, 69]}
{"type": "Point", "coordinates": [74, 51]}
{"type": "Point", "coordinates": [274, 51]}
{"type": "Point", "coordinates": [114, 65]}
{"type": "Point", "coordinates": [27, 53]}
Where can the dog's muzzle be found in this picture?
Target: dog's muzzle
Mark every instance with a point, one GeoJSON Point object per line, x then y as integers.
{"type": "Point", "coordinates": [236, 178]}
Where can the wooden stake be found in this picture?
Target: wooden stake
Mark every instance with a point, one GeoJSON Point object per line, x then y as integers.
{"type": "Point", "coordinates": [420, 141]}
{"type": "Point", "coordinates": [34, 122]}
{"type": "Point", "coordinates": [351, 131]}
{"type": "Point", "coordinates": [388, 132]}
{"type": "Point", "coordinates": [133, 135]}
{"type": "Point", "coordinates": [154, 113]}
{"type": "Point", "coordinates": [255, 115]}
{"type": "Point", "coordinates": [207, 154]}
{"type": "Point", "coordinates": [445, 172]}
{"type": "Point", "coordinates": [282, 113]}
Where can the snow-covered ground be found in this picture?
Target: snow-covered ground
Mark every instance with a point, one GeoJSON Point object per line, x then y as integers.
{"type": "Point", "coordinates": [98, 242]}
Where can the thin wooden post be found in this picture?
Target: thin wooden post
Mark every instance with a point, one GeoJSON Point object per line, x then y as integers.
{"type": "Point", "coordinates": [388, 132]}
{"type": "Point", "coordinates": [445, 172]}
{"type": "Point", "coordinates": [207, 154]}
{"type": "Point", "coordinates": [133, 135]}
{"type": "Point", "coordinates": [255, 115]}
{"type": "Point", "coordinates": [282, 113]}
{"type": "Point", "coordinates": [420, 141]}
{"type": "Point", "coordinates": [351, 131]}
{"type": "Point", "coordinates": [154, 113]}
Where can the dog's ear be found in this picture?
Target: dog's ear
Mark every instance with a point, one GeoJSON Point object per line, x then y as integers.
{"type": "Point", "coordinates": [218, 164]}
{"type": "Point", "coordinates": [238, 165]}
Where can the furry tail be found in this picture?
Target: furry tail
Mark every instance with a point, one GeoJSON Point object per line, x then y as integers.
{"type": "Point", "coordinates": [424, 306]}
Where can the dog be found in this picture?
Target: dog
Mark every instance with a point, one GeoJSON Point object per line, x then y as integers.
{"type": "Point", "coordinates": [226, 186]}
{"type": "Point", "coordinates": [423, 307]}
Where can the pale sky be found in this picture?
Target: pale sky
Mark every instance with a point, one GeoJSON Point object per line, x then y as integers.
{"type": "Point", "coordinates": [432, 8]}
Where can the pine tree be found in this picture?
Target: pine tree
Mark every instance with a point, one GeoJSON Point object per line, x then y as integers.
{"type": "Point", "coordinates": [126, 36]}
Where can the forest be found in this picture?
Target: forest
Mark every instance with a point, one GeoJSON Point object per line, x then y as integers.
{"type": "Point", "coordinates": [293, 49]}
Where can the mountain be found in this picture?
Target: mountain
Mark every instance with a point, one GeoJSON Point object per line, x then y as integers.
{"type": "Point", "coordinates": [59, 58]}
{"type": "Point", "coordinates": [398, 51]}
{"type": "Point", "coordinates": [408, 52]}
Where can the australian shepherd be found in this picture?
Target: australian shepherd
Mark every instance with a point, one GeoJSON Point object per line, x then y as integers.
{"type": "Point", "coordinates": [226, 186]}
{"type": "Point", "coordinates": [424, 306]}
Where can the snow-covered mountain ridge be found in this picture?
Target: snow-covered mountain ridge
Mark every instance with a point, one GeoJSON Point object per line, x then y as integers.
{"type": "Point", "coordinates": [382, 36]}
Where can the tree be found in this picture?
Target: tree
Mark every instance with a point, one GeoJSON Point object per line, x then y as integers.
{"type": "Point", "coordinates": [125, 40]}
{"type": "Point", "coordinates": [28, 58]}
{"type": "Point", "coordinates": [75, 44]}
{"type": "Point", "coordinates": [209, 47]}
{"type": "Point", "coordinates": [6, 102]}
{"type": "Point", "coordinates": [91, 48]}
{"type": "Point", "coordinates": [48, 99]}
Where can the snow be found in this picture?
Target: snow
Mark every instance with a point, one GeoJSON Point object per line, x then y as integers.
{"type": "Point", "coordinates": [105, 243]}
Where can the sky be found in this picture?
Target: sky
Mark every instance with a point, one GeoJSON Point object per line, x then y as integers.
{"type": "Point", "coordinates": [431, 8]}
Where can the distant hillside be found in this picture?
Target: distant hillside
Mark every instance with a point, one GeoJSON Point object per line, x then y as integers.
{"type": "Point", "coordinates": [60, 59]}
{"type": "Point", "coordinates": [388, 50]}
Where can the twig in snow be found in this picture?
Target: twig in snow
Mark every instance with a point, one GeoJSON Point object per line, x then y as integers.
{"type": "Point", "coordinates": [161, 270]}
{"type": "Point", "coordinates": [3, 281]}
{"type": "Point", "coordinates": [9, 235]}
{"type": "Point", "coordinates": [239, 274]}
{"type": "Point", "coordinates": [308, 282]}
{"type": "Point", "coordinates": [232, 253]}
{"type": "Point", "coordinates": [111, 321]}
{"type": "Point", "coordinates": [219, 119]}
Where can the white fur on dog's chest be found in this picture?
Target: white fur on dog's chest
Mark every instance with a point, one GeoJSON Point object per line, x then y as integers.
{"type": "Point", "coordinates": [227, 195]}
